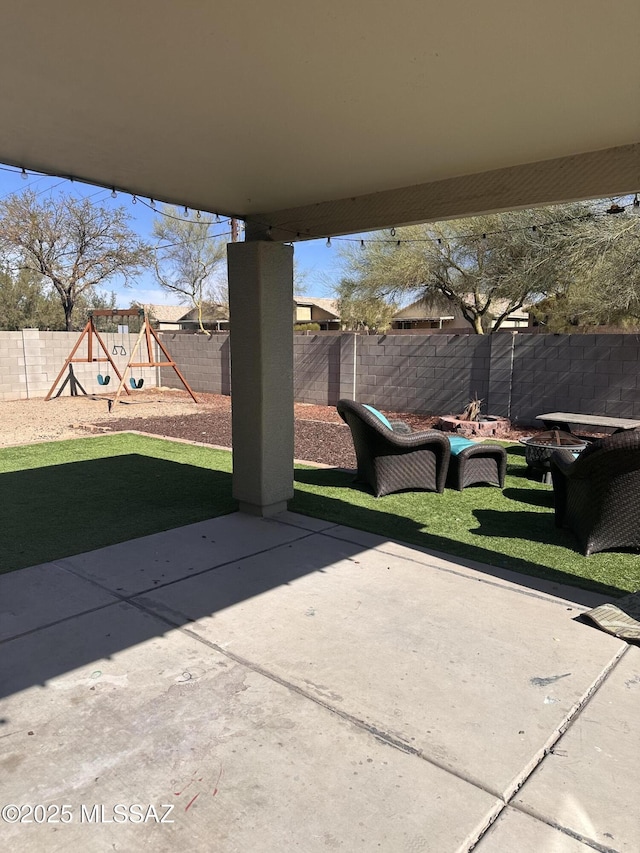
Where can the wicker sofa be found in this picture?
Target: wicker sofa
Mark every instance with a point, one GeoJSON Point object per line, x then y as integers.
{"type": "Point", "coordinates": [389, 461]}
{"type": "Point", "coordinates": [597, 495]}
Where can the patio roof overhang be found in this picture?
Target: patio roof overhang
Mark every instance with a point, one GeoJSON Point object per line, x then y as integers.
{"type": "Point", "coordinates": [327, 118]}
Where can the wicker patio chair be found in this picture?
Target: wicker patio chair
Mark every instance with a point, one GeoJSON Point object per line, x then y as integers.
{"type": "Point", "coordinates": [597, 495]}
{"type": "Point", "coordinates": [389, 461]}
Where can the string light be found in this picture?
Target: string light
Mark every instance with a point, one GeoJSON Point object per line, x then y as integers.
{"type": "Point", "coordinates": [328, 242]}
{"type": "Point", "coordinates": [614, 208]}
{"type": "Point", "coordinates": [152, 203]}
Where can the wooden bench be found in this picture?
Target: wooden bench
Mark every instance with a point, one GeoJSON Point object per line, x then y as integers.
{"type": "Point", "coordinates": [564, 421]}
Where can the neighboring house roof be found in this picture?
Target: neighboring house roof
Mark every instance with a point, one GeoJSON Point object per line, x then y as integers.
{"type": "Point", "coordinates": [165, 313]}
{"type": "Point", "coordinates": [210, 314]}
{"type": "Point", "coordinates": [330, 306]}
{"type": "Point", "coordinates": [432, 308]}
{"type": "Point", "coordinates": [426, 309]}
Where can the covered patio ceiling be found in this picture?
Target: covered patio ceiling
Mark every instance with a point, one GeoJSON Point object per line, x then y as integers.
{"type": "Point", "coordinates": [327, 118]}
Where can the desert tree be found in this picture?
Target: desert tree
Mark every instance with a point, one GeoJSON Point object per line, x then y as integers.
{"type": "Point", "coordinates": [30, 301]}
{"type": "Point", "coordinates": [602, 284]}
{"type": "Point", "coordinates": [190, 259]}
{"type": "Point", "coordinates": [487, 267]}
{"type": "Point", "coordinates": [361, 311]}
{"type": "Point", "coordinates": [71, 243]}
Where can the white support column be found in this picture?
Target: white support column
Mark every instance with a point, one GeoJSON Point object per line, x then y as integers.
{"type": "Point", "coordinates": [261, 337]}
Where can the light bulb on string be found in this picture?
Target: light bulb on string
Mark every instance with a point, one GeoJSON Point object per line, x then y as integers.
{"type": "Point", "coordinates": [186, 211]}
{"type": "Point", "coordinates": [217, 217]}
{"type": "Point", "coordinates": [328, 242]}
{"type": "Point", "coordinates": [362, 244]}
{"type": "Point", "coordinates": [636, 204]}
{"type": "Point", "coordinates": [23, 174]}
{"type": "Point", "coordinates": [393, 232]}
{"type": "Point", "coordinates": [134, 200]}
{"type": "Point", "coordinates": [114, 194]}
{"type": "Point", "coordinates": [198, 215]}
{"type": "Point", "coordinates": [152, 203]}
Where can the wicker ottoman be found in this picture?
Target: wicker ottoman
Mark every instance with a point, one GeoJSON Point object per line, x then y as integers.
{"type": "Point", "coordinates": [472, 462]}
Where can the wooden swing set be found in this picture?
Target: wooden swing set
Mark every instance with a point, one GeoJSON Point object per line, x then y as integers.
{"type": "Point", "coordinates": [147, 333]}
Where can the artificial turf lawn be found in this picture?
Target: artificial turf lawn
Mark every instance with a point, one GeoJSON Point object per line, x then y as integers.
{"type": "Point", "coordinates": [66, 497]}
{"type": "Point", "coordinates": [63, 498]}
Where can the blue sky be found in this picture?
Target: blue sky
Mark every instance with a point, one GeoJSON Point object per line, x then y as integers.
{"type": "Point", "coordinates": [317, 263]}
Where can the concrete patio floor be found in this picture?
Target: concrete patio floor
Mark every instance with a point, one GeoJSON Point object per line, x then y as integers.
{"type": "Point", "coordinates": [288, 684]}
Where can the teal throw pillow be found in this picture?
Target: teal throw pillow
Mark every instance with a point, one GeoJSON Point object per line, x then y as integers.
{"type": "Point", "coordinates": [458, 443]}
{"type": "Point", "coordinates": [379, 415]}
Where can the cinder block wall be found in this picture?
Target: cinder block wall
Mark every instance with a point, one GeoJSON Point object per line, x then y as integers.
{"type": "Point", "coordinates": [517, 375]}
{"type": "Point", "coordinates": [316, 369]}
{"type": "Point", "coordinates": [429, 374]}
{"type": "Point", "coordinates": [206, 365]}
{"type": "Point", "coordinates": [203, 361]}
{"type": "Point", "coordinates": [576, 373]}
{"type": "Point", "coordinates": [30, 360]}
{"type": "Point", "coordinates": [13, 380]}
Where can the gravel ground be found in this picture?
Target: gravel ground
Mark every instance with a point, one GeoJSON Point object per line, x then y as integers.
{"type": "Point", "coordinates": [320, 435]}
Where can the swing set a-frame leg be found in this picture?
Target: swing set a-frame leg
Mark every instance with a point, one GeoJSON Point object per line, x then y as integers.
{"type": "Point", "coordinates": [148, 332]}
{"type": "Point", "coordinates": [171, 363]}
{"type": "Point", "coordinates": [128, 367]}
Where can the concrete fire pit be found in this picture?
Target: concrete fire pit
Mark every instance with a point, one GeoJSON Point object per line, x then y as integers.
{"type": "Point", "coordinates": [485, 426]}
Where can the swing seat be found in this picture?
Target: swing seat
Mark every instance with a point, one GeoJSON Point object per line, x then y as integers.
{"type": "Point", "coordinates": [103, 380]}
{"type": "Point", "coordinates": [136, 383]}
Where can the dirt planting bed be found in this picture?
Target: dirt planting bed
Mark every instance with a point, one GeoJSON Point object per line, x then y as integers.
{"type": "Point", "coordinates": [320, 435]}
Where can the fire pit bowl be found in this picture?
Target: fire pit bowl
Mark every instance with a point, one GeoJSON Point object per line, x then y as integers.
{"type": "Point", "coordinates": [538, 449]}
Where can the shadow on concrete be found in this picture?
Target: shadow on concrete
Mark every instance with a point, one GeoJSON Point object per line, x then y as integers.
{"type": "Point", "coordinates": [536, 526]}
{"type": "Point", "coordinates": [87, 505]}
{"type": "Point", "coordinates": [77, 643]}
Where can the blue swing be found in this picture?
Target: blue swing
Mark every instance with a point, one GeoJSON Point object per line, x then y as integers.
{"type": "Point", "coordinates": [136, 383]}
{"type": "Point", "coordinates": [103, 380]}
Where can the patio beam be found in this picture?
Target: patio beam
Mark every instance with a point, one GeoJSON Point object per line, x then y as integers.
{"type": "Point", "coordinates": [595, 174]}
{"type": "Point", "coordinates": [261, 337]}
